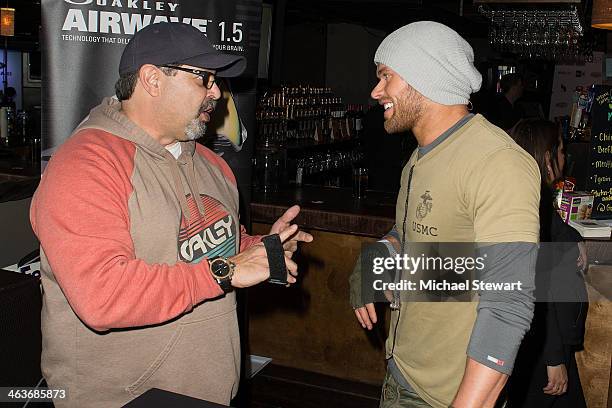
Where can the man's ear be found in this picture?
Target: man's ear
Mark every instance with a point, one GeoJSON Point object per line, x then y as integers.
{"type": "Point", "coordinates": [149, 77]}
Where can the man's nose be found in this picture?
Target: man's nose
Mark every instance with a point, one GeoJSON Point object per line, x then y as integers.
{"type": "Point", "coordinates": [215, 92]}
{"type": "Point", "coordinates": [377, 91]}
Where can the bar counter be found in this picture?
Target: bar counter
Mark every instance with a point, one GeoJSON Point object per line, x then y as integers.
{"type": "Point", "coordinates": [18, 181]}
{"type": "Point", "coordinates": [329, 209]}
{"type": "Point", "coordinates": [311, 326]}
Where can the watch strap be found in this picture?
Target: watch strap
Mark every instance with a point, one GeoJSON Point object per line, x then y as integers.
{"type": "Point", "coordinates": [225, 284]}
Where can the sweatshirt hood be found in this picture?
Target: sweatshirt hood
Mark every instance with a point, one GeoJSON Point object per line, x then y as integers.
{"type": "Point", "coordinates": [108, 117]}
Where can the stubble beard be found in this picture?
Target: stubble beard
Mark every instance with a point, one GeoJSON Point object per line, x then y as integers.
{"type": "Point", "coordinates": [407, 111]}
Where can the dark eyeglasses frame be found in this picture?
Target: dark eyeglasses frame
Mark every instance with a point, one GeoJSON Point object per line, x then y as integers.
{"type": "Point", "coordinates": [205, 75]}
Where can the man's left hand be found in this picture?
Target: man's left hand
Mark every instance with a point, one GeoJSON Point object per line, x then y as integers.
{"type": "Point", "coordinates": [283, 222]}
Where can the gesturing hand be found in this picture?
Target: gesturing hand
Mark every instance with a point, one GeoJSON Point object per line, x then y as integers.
{"type": "Point", "coordinates": [283, 222]}
{"type": "Point", "coordinates": [252, 264]}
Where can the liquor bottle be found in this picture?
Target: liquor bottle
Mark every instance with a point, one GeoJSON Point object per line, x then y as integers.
{"type": "Point", "coordinates": [8, 131]}
{"type": "Point", "coordinates": [577, 123]}
{"type": "Point", "coordinates": [359, 117]}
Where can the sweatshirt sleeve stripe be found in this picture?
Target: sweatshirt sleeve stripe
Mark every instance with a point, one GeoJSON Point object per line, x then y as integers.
{"type": "Point", "coordinates": [246, 240]}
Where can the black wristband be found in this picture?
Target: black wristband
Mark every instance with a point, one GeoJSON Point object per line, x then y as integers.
{"type": "Point", "coordinates": [276, 259]}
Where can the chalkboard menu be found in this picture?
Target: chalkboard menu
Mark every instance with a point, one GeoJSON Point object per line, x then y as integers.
{"type": "Point", "coordinates": [599, 180]}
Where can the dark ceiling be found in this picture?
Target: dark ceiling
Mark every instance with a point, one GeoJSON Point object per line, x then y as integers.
{"type": "Point", "coordinates": [387, 15]}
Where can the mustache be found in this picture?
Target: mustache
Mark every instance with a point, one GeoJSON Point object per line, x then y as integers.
{"type": "Point", "coordinates": [209, 105]}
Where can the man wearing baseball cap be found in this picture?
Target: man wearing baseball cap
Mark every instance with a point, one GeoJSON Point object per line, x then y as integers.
{"type": "Point", "coordinates": [467, 182]}
{"type": "Point", "coordinates": [141, 244]}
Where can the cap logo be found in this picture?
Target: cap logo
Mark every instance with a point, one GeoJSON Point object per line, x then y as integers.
{"type": "Point", "coordinates": [79, 2]}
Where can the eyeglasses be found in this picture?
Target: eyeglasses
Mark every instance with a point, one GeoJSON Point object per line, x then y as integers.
{"type": "Point", "coordinates": [208, 78]}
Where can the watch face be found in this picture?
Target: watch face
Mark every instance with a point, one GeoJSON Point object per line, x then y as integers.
{"type": "Point", "coordinates": [220, 268]}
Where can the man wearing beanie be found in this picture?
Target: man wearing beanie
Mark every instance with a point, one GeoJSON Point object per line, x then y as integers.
{"type": "Point", "coordinates": [141, 244]}
{"type": "Point", "coordinates": [466, 182]}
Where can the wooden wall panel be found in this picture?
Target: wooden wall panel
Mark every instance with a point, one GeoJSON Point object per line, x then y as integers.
{"type": "Point", "coordinates": [311, 325]}
{"type": "Point", "coordinates": [595, 360]}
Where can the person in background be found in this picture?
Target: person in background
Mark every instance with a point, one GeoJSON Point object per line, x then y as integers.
{"type": "Point", "coordinates": [141, 242]}
{"type": "Point", "coordinates": [546, 374]}
{"type": "Point", "coordinates": [505, 113]}
{"type": "Point", "coordinates": [385, 154]}
{"type": "Point", "coordinates": [9, 97]}
{"type": "Point", "coordinates": [459, 185]}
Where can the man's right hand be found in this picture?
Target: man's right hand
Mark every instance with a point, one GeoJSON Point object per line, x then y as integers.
{"type": "Point", "coordinates": [252, 264]}
{"type": "Point", "coordinates": [396, 244]}
{"type": "Point", "coordinates": [366, 316]}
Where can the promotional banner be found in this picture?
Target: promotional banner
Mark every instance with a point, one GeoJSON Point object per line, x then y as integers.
{"type": "Point", "coordinates": [83, 41]}
{"type": "Point", "coordinates": [567, 78]}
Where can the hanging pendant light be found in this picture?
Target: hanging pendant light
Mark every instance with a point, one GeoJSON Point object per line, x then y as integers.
{"type": "Point", "coordinates": [7, 22]}
{"type": "Point", "coordinates": [602, 14]}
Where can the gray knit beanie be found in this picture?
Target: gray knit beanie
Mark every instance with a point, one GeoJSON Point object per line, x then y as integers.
{"type": "Point", "coordinates": [434, 60]}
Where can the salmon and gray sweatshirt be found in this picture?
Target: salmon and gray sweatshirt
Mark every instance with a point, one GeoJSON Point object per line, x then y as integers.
{"type": "Point", "coordinates": [128, 302]}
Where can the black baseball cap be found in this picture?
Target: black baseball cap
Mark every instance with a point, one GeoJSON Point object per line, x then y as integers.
{"type": "Point", "coordinates": [167, 43]}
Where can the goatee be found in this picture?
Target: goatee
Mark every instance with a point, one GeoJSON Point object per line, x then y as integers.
{"type": "Point", "coordinates": [196, 128]}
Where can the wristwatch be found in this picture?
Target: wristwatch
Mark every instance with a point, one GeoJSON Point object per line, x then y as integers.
{"type": "Point", "coordinates": [222, 269]}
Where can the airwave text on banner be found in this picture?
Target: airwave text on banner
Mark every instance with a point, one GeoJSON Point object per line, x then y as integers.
{"type": "Point", "coordinates": [120, 23]}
